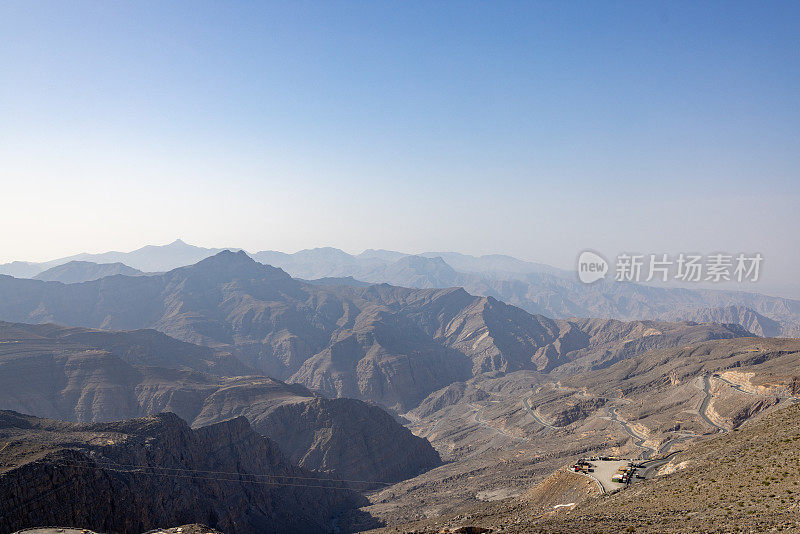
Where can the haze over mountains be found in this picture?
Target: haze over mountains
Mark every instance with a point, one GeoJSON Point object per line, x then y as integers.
{"type": "Point", "coordinates": [382, 343]}
{"type": "Point", "coordinates": [150, 258]}
{"type": "Point", "coordinates": [535, 287]}
{"type": "Point", "coordinates": [461, 359]}
{"type": "Point", "coordinates": [75, 271]}
{"type": "Point", "coordinates": [426, 398]}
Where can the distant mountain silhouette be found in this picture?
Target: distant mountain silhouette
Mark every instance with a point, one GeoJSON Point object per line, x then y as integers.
{"type": "Point", "coordinates": [84, 271]}
{"type": "Point", "coordinates": [751, 320]}
{"type": "Point", "coordinates": [150, 258]}
{"type": "Point", "coordinates": [494, 263]}
{"type": "Point", "coordinates": [21, 269]}
{"type": "Point", "coordinates": [331, 262]}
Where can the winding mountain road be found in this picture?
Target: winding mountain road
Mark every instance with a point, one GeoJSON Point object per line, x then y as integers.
{"type": "Point", "coordinates": [706, 389]}
{"type": "Point", "coordinates": [737, 387]}
{"type": "Point", "coordinates": [482, 422]}
{"type": "Point", "coordinates": [532, 412]}
{"type": "Point", "coordinates": [637, 439]}
{"type": "Point", "coordinates": [431, 429]}
{"type": "Point", "coordinates": [650, 466]}
{"type": "Point", "coordinates": [740, 389]}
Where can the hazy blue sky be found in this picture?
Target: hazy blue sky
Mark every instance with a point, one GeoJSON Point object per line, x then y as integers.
{"type": "Point", "coordinates": [535, 129]}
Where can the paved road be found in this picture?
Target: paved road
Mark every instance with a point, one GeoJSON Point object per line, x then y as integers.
{"type": "Point", "coordinates": [680, 438]}
{"type": "Point", "coordinates": [651, 466]}
{"type": "Point", "coordinates": [478, 419]}
{"type": "Point", "coordinates": [739, 388]}
{"type": "Point", "coordinates": [418, 420]}
{"type": "Point", "coordinates": [706, 401]}
{"type": "Point", "coordinates": [637, 439]}
{"type": "Point", "coordinates": [539, 420]}
{"type": "Point", "coordinates": [703, 412]}
{"type": "Point", "coordinates": [431, 429]}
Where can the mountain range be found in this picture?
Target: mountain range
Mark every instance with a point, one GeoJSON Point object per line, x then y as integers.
{"type": "Point", "coordinates": [427, 400]}
{"type": "Point", "coordinates": [534, 287]}
{"type": "Point", "coordinates": [380, 343]}
{"type": "Point", "coordinates": [150, 258]}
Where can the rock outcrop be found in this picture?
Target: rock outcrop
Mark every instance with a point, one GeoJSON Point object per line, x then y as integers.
{"type": "Point", "coordinates": [347, 437]}
{"type": "Point", "coordinates": [135, 475]}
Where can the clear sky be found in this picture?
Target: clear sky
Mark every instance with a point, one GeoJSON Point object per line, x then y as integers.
{"type": "Point", "coordinates": [535, 129]}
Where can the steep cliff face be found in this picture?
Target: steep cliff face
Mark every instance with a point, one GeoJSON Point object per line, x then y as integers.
{"type": "Point", "coordinates": [384, 357]}
{"type": "Point", "coordinates": [346, 437]}
{"type": "Point", "coordinates": [135, 475]}
{"type": "Point", "coordinates": [349, 438]}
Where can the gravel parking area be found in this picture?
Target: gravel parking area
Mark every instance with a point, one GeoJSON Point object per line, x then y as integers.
{"type": "Point", "coordinates": [604, 470]}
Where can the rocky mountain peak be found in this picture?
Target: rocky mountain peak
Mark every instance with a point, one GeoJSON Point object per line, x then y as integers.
{"type": "Point", "coordinates": [229, 264]}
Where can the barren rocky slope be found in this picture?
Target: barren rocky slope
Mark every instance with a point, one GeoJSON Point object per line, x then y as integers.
{"type": "Point", "coordinates": [750, 320]}
{"type": "Point", "coordinates": [747, 481]}
{"type": "Point", "coordinates": [131, 476]}
{"type": "Point", "coordinates": [503, 433]}
{"type": "Point", "coordinates": [356, 441]}
{"type": "Point", "coordinates": [86, 375]}
{"type": "Point", "coordinates": [743, 481]}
